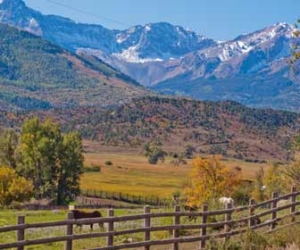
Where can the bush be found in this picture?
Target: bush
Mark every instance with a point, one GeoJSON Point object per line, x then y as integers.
{"type": "Point", "coordinates": [108, 163]}
{"type": "Point", "coordinates": [13, 187]}
{"type": "Point", "coordinates": [93, 168]}
{"type": "Point", "coordinates": [251, 240]}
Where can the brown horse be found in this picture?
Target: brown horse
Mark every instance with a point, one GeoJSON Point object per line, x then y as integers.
{"type": "Point", "coordinates": [77, 214]}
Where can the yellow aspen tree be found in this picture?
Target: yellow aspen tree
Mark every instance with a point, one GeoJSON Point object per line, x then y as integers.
{"type": "Point", "coordinates": [210, 179]}
{"type": "Point", "coordinates": [13, 187]}
{"type": "Point", "coordinates": [275, 180]}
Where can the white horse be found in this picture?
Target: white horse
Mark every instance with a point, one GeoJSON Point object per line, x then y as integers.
{"type": "Point", "coordinates": [226, 200]}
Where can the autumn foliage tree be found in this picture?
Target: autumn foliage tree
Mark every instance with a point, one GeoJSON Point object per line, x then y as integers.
{"type": "Point", "coordinates": [210, 179]}
{"type": "Point", "coordinates": [13, 187]}
{"type": "Point", "coordinates": [275, 180]}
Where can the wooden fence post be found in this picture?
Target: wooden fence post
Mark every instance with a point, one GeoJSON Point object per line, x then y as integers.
{"type": "Point", "coordinates": [227, 227]}
{"type": "Point", "coordinates": [110, 238]}
{"type": "Point", "coordinates": [274, 205]}
{"type": "Point", "coordinates": [204, 221]}
{"type": "Point", "coordinates": [20, 232]}
{"type": "Point", "coordinates": [147, 224]}
{"type": "Point", "coordinates": [293, 200]}
{"type": "Point", "coordinates": [176, 232]}
{"type": "Point", "coordinates": [69, 244]}
{"type": "Point", "coordinates": [251, 213]}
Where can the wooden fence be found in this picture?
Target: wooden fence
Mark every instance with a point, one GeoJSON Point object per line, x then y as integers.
{"type": "Point", "coordinates": [130, 198]}
{"type": "Point", "coordinates": [235, 221]}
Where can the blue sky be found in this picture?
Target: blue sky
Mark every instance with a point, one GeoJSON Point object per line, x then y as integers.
{"type": "Point", "coordinates": [218, 19]}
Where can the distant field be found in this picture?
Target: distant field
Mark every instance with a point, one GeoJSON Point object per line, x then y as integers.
{"type": "Point", "coordinates": [131, 173]}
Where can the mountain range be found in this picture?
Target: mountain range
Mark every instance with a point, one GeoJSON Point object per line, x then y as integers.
{"type": "Point", "coordinates": [252, 69]}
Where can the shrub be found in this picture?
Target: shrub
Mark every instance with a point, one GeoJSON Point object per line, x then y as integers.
{"type": "Point", "coordinates": [13, 187]}
{"type": "Point", "coordinates": [284, 237]}
{"type": "Point", "coordinates": [93, 168]}
{"type": "Point", "coordinates": [108, 163]}
{"type": "Point", "coordinates": [251, 240]}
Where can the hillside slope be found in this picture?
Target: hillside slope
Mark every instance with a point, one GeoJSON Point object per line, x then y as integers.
{"type": "Point", "coordinates": [226, 128]}
{"type": "Point", "coordinates": [36, 74]}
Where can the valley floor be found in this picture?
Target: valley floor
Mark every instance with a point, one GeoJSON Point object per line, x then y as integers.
{"type": "Point", "coordinates": [131, 173]}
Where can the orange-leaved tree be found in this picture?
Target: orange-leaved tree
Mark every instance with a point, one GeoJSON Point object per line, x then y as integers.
{"type": "Point", "coordinates": [210, 179]}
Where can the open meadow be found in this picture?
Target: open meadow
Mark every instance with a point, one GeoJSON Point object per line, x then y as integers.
{"type": "Point", "coordinates": [128, 171]}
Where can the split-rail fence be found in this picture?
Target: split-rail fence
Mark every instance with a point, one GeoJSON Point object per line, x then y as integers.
{"type": "Point", "coordinates": [236, 220]}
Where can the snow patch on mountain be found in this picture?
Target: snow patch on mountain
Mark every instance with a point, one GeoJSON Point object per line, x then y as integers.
{"type": "Point", "coordinates": [131, 55]}
{"type": "Point", "coordinates": [232, 49]}
{"type": "Point", "coordinates": [246, 43]}
{"type": "Point", "coordinates": [34, 27]}
{"type": "Point", "coordinates": [148, 27]}
{"type": "Point", "coordinates": [122, 36]}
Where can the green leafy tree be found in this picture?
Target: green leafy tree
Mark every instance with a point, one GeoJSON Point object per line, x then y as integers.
{"type": "Point", "coordinates": [38, 151]}
{"type": "Point", "coordinates": [154, 152]}
{"type": "Point", "coordinates": [8, 145]}
{"type": "Point", "coordinates": [70, 168]}
{"type": "Point", "coordinates": [52, 160]}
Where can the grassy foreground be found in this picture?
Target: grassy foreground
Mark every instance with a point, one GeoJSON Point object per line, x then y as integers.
{"type": "Point", "coordinates": [284, 239]}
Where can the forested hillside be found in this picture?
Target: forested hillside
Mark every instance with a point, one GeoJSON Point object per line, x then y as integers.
{"type": "Point", "coordinates": [36, 74]}
{"type": "Point", "coordinates": [226, 128]}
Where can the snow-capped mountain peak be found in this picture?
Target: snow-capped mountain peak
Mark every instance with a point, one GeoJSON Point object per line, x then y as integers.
{"type": "Point", "coordinates": [158, 41]}
{"type": "Point", "coordinates": [245, 43]}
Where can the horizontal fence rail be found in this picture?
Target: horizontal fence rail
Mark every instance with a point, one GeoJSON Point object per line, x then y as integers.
{"type": "Point", "coordinates": [125, 197]}
{"type": "Point", "coordinates": [234, 220]}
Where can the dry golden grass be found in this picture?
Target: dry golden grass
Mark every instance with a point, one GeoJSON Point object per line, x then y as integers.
{"type": "Point", "coordinates": [131, 173]}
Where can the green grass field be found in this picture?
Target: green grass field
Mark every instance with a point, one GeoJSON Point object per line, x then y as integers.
{"type": "Point", "coordinates": [10, 218]}
{"type": "Point", "coordinates": [289, 234]}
